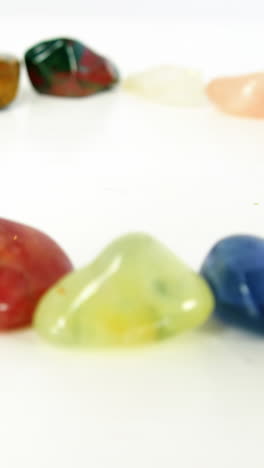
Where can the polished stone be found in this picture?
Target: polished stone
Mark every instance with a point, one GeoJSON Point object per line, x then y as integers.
{"type": "Point", "coordinates": [9, 79]}
{"type": "Point", "coordinates": [241, 96]}
{"type": "Point", "coordinates": [30, 263]}
{"type": "Point", "coordinates": [65, 67]}
{"type": "Point", "coordinates": [168, 85]}
{"type": "Point", "coordinates": [136, 291]}
{"type": "Point", "coordinates": [234, 268]}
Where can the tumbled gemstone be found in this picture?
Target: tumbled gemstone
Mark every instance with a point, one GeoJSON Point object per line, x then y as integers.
{"type": "Point", "coordinates": [30, 262]}
{"type": "Point", "coordinates": [234, 269]}
{"type": "Point", "coordinates": [65, 67]}
{"type": "Point", "coordinates": [136, 291]}
{"type": "Point", "coordinates": [242, 95]}
{"type": "Point", "coordinates": [9, 78]}
{"type": "Point", "coordinates": [168, 85]}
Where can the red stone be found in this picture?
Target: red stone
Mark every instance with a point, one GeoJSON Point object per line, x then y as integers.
{"type": "Point", "coordinates": [30, 263]}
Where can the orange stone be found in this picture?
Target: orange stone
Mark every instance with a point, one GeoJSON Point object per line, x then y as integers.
{"type": "Point", "coordinates": [239, 95]}
{"type": "Point", "coordinates": [9, 77]}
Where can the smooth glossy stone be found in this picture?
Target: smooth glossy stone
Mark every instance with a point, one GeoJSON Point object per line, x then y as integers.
{"type": "Point", "coordinates": [136, 291]}
{"type": "Point", "coordinates": [30, 262]}
{"type": "Point", "coordinates": [65, 67]}
{"type": "Point", "coordinates": [168, 85]}
{"type": "Point", "coordinates": [9, 79]}
{"type": "Point", "coordinates": [234, 269]}
{"type": "Point", "coordinates": [240, 95]}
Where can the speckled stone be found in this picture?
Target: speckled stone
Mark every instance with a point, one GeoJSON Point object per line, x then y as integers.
{"type": "Point", "coordinates": [66, 67]}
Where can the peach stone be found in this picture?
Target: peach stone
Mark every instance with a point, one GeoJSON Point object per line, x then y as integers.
{"type": "Point", "coordinates": [239, 95]}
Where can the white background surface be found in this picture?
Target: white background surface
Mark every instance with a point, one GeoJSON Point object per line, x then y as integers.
{"type": "Point", "coordinates": [139, 8]}
{"type": "Point", "coordinates": [87, 170]}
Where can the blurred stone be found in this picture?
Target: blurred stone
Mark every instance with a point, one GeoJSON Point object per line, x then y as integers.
{"type": "Point", "coordinates": [168, 85]}
{"type": "Point", "coordinates": [9, 78]}
{"type": "Point", "coordinates": [242, 96]}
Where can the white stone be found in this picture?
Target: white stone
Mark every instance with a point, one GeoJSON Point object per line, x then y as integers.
{"type": "Point", "coordinates": [169, 85]}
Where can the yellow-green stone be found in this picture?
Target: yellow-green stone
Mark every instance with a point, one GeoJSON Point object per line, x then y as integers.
{"type": "Point", "coordinates": [135, 292]}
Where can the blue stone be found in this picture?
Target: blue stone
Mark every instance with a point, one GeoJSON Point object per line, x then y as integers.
{"type": "Point", "coordinates": [234, 268]}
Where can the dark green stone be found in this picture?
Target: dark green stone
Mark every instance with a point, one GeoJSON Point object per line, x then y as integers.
{"type": "Point", "coordinates": [65, 67]}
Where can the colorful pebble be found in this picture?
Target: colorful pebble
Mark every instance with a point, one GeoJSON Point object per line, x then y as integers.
{"type": "Point", "coordinates": [169, 85]}
{"type": "Point", "coordinates": [65, 67]}
{"type": "Point", "coordinates": [242, 96]}
{"type": "Point", "coordinates": [135, 292]}
{"type": "Point", "coordinates": [234, 269]}
{"type": "Point", "coordinates": [30, 262]}
{"type": "Point", "coordinates": [9, 79]}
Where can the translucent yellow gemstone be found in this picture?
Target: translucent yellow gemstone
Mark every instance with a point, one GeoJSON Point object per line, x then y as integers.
{"type": "Point", "coordinates": [135, 292]}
